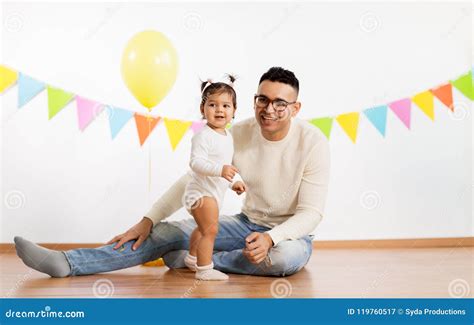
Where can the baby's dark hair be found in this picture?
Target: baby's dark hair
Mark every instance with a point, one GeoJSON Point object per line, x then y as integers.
{"type": "Point", "coordinates": [209, 88]}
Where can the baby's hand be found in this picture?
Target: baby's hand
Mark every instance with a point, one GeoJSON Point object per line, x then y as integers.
{"type": "Point", "coordinates": [228, 172]}
{"type": "Point", "coordinates": [238, 187]}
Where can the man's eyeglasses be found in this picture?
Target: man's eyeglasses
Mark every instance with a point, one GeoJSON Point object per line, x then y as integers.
{"type": "Point", "coordinates": [279, 105]}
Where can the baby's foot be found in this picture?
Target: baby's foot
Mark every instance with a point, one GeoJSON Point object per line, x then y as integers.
{"type": "Point", "coordinates": [190, 262]}
{"type": "Point", "coordinates": [208, 273]}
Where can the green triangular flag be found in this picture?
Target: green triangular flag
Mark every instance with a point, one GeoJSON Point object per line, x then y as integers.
{"type": "Point", "coordinates": [465, 85]}
{"type": "Point", "coordinates": [324, 124]}
{"type": "Point", "coordinates": [57, 100]}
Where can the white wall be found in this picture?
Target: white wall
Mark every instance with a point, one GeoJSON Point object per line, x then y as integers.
{"type": "Point", "coordinates": [83, 187]}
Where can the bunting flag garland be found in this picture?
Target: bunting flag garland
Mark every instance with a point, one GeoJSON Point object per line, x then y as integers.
{"type": "Point", "coordinates": [8, 77]}
{"type": "Point", "coordinates": [445, 94]}
{"type": "Point", "coordinates": [88, 110]}
{"type": "Point", "coordinates": [145, 124]}
{"type": "Point", "coordinates": [324, 124]}
{"type": "Point", "coordinates": [425, 102]}
{"type": "Point", "coordinates": [118, 117]}
{"type": "Point", "coordinates": [28, 88]}
{"type": "Point", "coordinates": [402, 109]}
{"type": "Point", "coordinates": [197, 125]}
{"type": "Point", "coordinates": [378, 117]}
{"type": "Point", "coordinates": [349, 123]}
{"type": "Point", "coordinates": [176, 130]}
{"type": "Point", "coordinates": [57, 100]}
{"type": "Point", "coordinates": [465, 85]}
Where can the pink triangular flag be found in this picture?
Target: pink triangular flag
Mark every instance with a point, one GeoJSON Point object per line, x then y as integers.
{"type": "Point", "coordinates": [87, 110]}
{"type": "Point", "coordinates": [197, 125]}
{"type": "Point", "coordinates": [402, 108]}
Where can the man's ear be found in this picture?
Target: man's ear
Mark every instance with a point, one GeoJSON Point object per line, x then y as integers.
{"type": "Point", "coordinates": [296, 109]}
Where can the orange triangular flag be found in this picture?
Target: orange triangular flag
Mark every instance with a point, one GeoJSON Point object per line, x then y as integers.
{"type": "Point", "coordinates": [145, 124]}
{"type": "Point", "coordinates": [445, 94]}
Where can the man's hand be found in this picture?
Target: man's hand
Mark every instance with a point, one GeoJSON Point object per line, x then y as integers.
{"type": "Point", "coordinates": [238, 187]}
{"type": "Point", "coordinates": [139, 232]}
{"type": "Point", "coordinates": [228, 172]}
{"type": "Point", "coordinates": [257, 245]}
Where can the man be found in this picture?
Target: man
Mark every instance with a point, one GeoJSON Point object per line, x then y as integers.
{"type": "Point", "coordinates": [284, 162]}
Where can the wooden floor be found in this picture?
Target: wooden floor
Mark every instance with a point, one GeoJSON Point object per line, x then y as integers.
{"type": "Point", "coordinates": [418, 272]}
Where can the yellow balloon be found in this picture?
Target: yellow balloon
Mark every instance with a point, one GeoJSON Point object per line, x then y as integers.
{"type": "Point", "coordinates": [149, 67]}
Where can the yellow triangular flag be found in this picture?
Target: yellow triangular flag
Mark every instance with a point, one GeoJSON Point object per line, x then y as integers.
{"type": "Point", "coordinates": [7, 77]}
{"type": "Point", "coordinates": [425, 102]}
{"type": "Point", "coordinates": [176, 130]}
{"type": "Point", "coordinates": [349, 123]}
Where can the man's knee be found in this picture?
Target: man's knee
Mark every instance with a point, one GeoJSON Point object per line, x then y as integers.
{"type": "Point", "coordinates": [175, 259]}
{"type": "Point", "coordinates": [171, 232]}
{"type": "Point", "coordinates": [289, 256]}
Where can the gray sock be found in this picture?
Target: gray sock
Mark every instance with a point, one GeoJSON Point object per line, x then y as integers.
{"type": "Point", "coordinates": [53, 263]}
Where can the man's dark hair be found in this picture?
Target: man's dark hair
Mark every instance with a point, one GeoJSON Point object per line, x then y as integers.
{"type": "Point", "coordinates": [278, 74]}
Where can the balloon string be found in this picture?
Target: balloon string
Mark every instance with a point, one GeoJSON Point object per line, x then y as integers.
{"type": "Point", "coordinates": [149, 162]}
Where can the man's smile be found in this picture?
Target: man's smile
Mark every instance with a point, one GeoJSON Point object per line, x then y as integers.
{"type": "Point", "coordinates": [268, 118]}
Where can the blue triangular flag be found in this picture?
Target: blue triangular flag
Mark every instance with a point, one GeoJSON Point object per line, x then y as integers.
{"type": "Point", "coordinates": [378, 117]}
{"type": "Point", "coordinates": [28, 88]}
{"type": "Point", "coordinates": [118, 117]}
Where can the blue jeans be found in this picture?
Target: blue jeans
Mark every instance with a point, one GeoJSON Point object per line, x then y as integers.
{"type": "Point", "coordinates": [170, 240]}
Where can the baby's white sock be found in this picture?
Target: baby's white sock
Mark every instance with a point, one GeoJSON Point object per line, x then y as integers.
{"type": "Point", "coordinates": [190, 262]}
{"type": "Point", "coordinates": [208, 273]}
